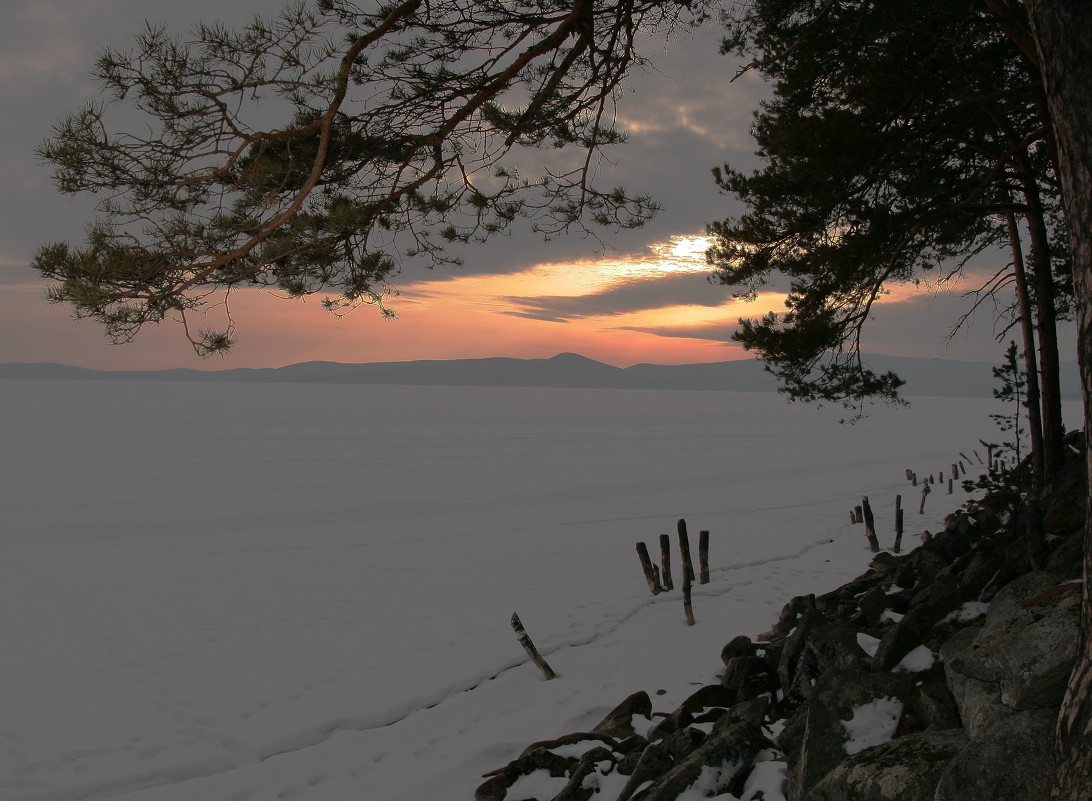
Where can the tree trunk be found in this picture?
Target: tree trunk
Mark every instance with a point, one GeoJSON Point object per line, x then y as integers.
{"type": "Point", "coordinates": [1027, 330]}
{"type": "Point", "coordinates": [1047, 328]}
{"type": "Point", "coordinates": [1060, 29]}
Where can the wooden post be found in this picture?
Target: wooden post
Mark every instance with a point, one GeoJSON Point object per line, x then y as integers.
{"type": "Point", "coordinates": [989, 456]}
{"type": "Point", "coordinates": [898, 523]}
{"type": "Point", "coordinates": [949, 486]}
{"type": "Point", "coordinates": [966, 458]}
{"type": "Point", "coordinates": [665, 560]}
{"type": "Point", "coordinates": [909, 474]}
{"type": "Point", "coordinates": [914, 478]}
{"type": "Point", "coordinates": [853, 517]}
{"type": "Point", "coordinates": [529, 647]}
{"type": "Point", "coordinates": [684, 549]}
{"type": "Point", "coordinates": [688, 607]}
{"type": "Point", "coordinates": [976, 456]}
{"type": "Point", "coordinates": [646, 567]}
{"type": "Point", "coordinates": [860, 514]}
{"type": "Point", "coordinates": [703, 557]}
{"type": "Point", "coordinates": [941, 478]}
{"type": "Point", "coordinates": [924, 493]}
{"type": "Point", "coordinates": [870, 526]}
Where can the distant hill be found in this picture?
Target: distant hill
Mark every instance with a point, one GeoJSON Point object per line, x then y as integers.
{"type": "Point", "coordinates": [941, 377]}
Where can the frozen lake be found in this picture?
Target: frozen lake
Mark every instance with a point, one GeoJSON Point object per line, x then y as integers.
{"type": "Point", "coordinates": [241, 590]}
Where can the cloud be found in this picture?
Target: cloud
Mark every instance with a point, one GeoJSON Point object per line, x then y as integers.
{"type": "Point", "coordinates": [624, 296]}
{"type": "Point", "coordinates": [712, 332]}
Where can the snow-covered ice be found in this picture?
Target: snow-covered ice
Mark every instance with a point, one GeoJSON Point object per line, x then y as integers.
{"type": "Point", "coordinates": [233, 591]}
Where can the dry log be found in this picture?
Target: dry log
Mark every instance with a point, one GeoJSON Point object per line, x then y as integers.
{"type": "Point", "coordinates": [529, 647]}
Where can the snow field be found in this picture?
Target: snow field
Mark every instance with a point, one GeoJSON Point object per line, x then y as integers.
{"type": "Point", "coordinates": [242, 591]}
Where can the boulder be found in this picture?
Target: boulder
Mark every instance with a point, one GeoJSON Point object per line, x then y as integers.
{"type": "Point", "coordinates": [978, 702]}
{"type": "Point", "coordinates": [495, 788]}
{"type": "Point", "coordinates": [720, 764]}
{"type": "Point", "coordinates": [748, 677]}
{"type": "Point", "coordinates": [905, 769]}
{"type": "Point", "coordinates": [1028, 643]}
{"type": "Point", "coordinates": [578, 787]}
{"type": "Point", "coordinates": [823, 744]}
{"type": "Point", "coordinates": [1013, 760]}
{"type": "Point", "coordinates": [835, 647]}
{"type": "Point", "coordinates": [619, 721]}
{"type": "Point", "coordinates": [928, 607]}
{"type": "Point", "coordinates": [653, 763]}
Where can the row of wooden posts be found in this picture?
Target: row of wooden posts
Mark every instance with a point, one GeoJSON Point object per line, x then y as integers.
{"type": "Point", "coordinates": [863, 513]}
{"type": "Point", "coordinates": [658, 581]}
{"type": "Point", "coordinates": [661, 580]}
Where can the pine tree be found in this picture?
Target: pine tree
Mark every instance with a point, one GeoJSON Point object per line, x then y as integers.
{"type": "Point", "coordinates": [899, 137]}
{"type": "Point", "coordinates": [317, 150]}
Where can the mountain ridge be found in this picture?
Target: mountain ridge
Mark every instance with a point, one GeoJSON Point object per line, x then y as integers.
{"type": "Point", "coordinates": [938, 377]}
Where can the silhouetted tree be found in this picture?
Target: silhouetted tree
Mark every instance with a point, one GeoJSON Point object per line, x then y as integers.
{"type": "Point", "coordinates": [315, 150]}
{"type": "Point", "coordinates": [1058, 37]}
{"type": "Point", "coordinates": [901, 139]}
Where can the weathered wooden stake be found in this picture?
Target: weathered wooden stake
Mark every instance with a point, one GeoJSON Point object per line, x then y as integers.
{"type": "Point", "coordinates": [870, 526]}
{"type": "Point", "coordinates": [950, 486]}
{"type": "Point", "coordinates": [966, 458]}
{"type": "Point", "coordinates": [909, 474]}
{"type": "Point", "coordinates": [684, 549]}
{"type": "Point", "coordinates": [703, 557]}
{"type": "Point", "coordinates": [914, 478]}
{"type": "Point", "coordinates": [529, 647]}
{"type": "Point", "coordinates": [924, 493]}
{"type": "Point", "coordinates": [989, 456]}
{"type": "Point", "coordinates": [688, 607]}
{"type": "Point", "coordinates": [853, 517]}
{"type": "Point", "coordinates": [665, 559]}
{"type": "Point", "coordinates": [955, 470]}
{"type": "Point", "coordinates": [898, 523]}
{"type": "Point", "coordinates": [976, 456]}
{"type": "Point", "coordinates": [860, 514]}
{"type": "Point", "coordinates": [646, 567]}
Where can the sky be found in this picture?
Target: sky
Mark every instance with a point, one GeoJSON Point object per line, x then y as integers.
{"type": "Point", "coordinates": [632, 297]}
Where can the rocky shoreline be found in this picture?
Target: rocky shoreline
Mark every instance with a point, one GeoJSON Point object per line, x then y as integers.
{"type": "Point", "coordinates": [937, 675]}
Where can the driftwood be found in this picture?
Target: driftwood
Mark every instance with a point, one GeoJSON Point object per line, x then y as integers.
{"type": "Point", "coordinates": [529, 647]}
{"type": "Point", "coordinates": [870, 526]}
{"type": "Point", "coordinates": [648, 568]}
{"type": "Point", "coordinates": [684, 549]}
{"type": "Point", "coordinates": [665, 560]}
{"type": "Point", "coordinates": [703, 557]}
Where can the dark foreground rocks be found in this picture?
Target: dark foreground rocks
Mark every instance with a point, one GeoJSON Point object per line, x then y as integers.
{"type": "Point", "coordinates": [935, 676]}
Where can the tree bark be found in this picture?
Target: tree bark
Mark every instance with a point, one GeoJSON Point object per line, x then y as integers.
{"type": "Point", "coordinates": [1027, 330]}
{"type": "Point", "coordinates": [1047, 328]}
{"type": "Point", "coordinates": [1060, 31]}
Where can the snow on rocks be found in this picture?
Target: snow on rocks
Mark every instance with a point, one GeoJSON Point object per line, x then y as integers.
{"type": "Point", "coordinates": [843, 700]}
